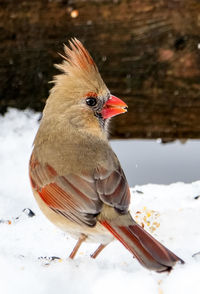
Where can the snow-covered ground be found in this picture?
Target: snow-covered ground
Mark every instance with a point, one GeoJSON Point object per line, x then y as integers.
{"type": "Point", "coordinates": [171, 213]}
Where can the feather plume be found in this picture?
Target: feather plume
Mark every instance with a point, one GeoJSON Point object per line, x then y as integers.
{"type": "Point", "coordinates": [78, 63]}
{"type": "Point", "coordinates": [77, 58]}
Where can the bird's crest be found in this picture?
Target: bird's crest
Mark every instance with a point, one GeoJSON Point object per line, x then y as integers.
{"type": "Point", "coordinates": [78, 62]}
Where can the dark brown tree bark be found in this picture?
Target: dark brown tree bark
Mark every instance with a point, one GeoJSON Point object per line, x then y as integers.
{"type": "Point", "coordinates": [147, 51]}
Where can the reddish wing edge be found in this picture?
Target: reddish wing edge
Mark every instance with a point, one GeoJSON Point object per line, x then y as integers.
{"type": "Point", "coordinates": [80, 198]}
{"type": "Point", "coordinates": [80, 205]}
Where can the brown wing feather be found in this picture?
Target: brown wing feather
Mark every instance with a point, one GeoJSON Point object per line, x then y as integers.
{"type": "Point", "coordinates": [72, 196]}
{"type": "Point", "coordinates": [113, 188]}
{"type": "Point", "coordinates": [80, 197]}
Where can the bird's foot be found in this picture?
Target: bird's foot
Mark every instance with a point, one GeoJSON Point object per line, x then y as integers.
{"type": "Point", "coordinates": [77, 246]}
{"type": "Point", "coordinates": [98, 250]}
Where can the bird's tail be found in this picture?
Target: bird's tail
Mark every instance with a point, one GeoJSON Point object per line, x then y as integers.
{"type": "Point", "coordinates": [149, 252]}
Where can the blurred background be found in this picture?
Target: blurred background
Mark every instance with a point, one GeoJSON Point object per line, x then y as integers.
{"type": "Point", "coordinates": [148, 53]}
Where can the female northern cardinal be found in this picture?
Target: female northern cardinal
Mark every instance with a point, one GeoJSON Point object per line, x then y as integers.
{"type": "Point", "coordinates": [76, 178]}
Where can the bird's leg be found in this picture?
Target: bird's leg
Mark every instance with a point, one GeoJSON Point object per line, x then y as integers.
{"type": "Point", "coordinates": [77, 246]}
{"type": "Point", "coordinates": [98, 250]}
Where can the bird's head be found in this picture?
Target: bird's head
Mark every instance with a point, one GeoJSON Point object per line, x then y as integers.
{"type": "Point", "coordinates": [79, 93]}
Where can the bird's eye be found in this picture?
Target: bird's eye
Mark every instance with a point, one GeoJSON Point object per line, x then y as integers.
{"type": "Point", "coordinates": [91, 101]}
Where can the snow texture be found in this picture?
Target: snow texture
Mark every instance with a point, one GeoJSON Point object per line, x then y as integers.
{"type": "Point", "coordinates": [170, 212]}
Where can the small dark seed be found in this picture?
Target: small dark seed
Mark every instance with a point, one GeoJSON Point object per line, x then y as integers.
{"type": "Point", "coordinates": [196, 254]}
{"type": "Point", "coordinates": [28, 212]}
{"type": "Point", "coordinates": [139, 192]}
{"type": "Point", "coordinates": [49, 258]}
{"type": "Point", "coordinates": [197, 197]}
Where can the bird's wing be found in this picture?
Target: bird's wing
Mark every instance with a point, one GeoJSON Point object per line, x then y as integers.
{"type": "Point", "coordinates": [80, 197]}
{"type": "Point", "coordinates": [112, 188]}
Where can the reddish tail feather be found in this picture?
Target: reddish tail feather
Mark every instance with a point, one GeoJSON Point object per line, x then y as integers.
{"type": "Point", "coordinates": [149, 252]}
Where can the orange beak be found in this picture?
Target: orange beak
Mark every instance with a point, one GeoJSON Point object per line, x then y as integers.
{"type": "Point", "coordinates": [113, 106]}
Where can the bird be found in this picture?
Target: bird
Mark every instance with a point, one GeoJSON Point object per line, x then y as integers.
{"type": "Point", "coordinates": [76, 178]}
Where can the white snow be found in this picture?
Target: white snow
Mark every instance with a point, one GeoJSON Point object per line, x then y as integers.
{"type": "Point", "coordinates": [170, 212]}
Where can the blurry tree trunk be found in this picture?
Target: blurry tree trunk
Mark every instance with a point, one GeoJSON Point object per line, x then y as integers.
{"type": "Point", "coordinates": [147, 51]}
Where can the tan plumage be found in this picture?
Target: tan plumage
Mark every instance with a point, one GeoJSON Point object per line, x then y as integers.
{"type": "Point", "coordinates": [75, 176]}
